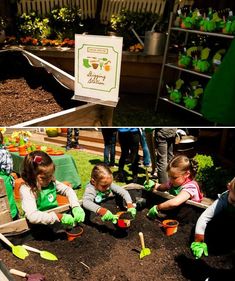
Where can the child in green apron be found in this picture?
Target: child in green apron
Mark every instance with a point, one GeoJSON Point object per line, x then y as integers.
{"type": "Point", "coordinates": [6, 168]}
{"type": "Point", "coordinates": [38, 192]}
{"type": "Point", "coordinates": [181, 172]}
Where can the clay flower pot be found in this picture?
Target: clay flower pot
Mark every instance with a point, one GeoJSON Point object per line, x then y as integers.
{"type": "Point", "coordinates": [124, 219]}
{"type": "Point", "coordinates": [74, 232]}
{"type": "Point", "coordinates": [170, 226]}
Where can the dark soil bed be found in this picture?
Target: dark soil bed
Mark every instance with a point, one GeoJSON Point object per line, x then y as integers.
{"type": "Point", "coordinates": [28, 92]}
{"type": "Point", "coordinates": [104, 252]}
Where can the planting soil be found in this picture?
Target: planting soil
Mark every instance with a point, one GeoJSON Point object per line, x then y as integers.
{"type": "Point", "coordinates": [28, 92]}
{"type": "Point", "coordinates": [106, 252]}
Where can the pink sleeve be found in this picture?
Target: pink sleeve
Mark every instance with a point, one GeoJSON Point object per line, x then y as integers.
{"type": "Point", "coordinates": [192, 189]}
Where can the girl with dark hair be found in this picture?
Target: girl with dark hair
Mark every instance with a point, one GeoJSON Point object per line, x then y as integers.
{"type": "Point", "coordinates": [38, 192]}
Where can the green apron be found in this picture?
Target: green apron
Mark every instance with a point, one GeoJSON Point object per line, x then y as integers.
{"type": "Point", "coordinates": [8, 181]}
{"type": "Point", "coordinates": [219, 95]}
{"type": "Point", "coordinates": [47, 198]}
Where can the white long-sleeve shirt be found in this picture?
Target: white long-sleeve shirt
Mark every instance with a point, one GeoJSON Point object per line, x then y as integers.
{"type": "Point", "coordinates": [214, 209]}
{"type": "Point", "coordinates": [29, 204]}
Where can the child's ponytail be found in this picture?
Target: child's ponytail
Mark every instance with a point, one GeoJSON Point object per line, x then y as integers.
{"type": "Point", "coordinates": [193, 167]}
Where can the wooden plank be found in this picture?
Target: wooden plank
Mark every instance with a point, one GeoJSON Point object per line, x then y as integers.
{"type": "Point", "coordinates": [206, 202]}
{"type": "Point", "coordinates": [203, 204]}
{"type": "Point", "coordinates": [21, 225]}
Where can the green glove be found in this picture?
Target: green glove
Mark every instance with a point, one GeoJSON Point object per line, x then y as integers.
{"type": "Point", "coordinates": [132, 211]}
{"type": "Point", "coordinates": [149, 186]}
{"type": "Point", "coordinates": [108, 216]}
{"type": "Point", "coordinates": [67, 220]}
{"type": "Point", "coordinates": [198, 249]}
{"type": "Point", "coordinates": [153, 212]}
{"type": "Point", "coordinates": [78, 214]}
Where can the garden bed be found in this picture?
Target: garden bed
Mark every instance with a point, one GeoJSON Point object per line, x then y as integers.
{"type": "Point", "coordinates": [30, 94]}
{"type": "Point", "coordinates": [104, 252]}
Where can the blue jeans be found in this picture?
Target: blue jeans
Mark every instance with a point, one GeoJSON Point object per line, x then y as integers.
{"type": "Point", "coordinates": [146, 154]}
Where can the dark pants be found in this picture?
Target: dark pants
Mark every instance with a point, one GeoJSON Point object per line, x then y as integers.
{"type": "Point", "coordinates": [129, 142]}
{"type": "Point", "coordinates": [109, 136]}
{"type": "Point", "coordinates": [70, 136]}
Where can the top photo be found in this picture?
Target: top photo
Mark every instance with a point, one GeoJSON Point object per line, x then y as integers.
{"type": "Point", "coordinates": [117, 63]}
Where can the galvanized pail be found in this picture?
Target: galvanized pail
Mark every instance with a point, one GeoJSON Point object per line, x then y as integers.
{"type": "Point", "coordinates": [154, 43]}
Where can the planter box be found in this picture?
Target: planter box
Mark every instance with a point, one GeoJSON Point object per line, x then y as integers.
{"type": "Point", "coordinates": [85, 114]}
{"type": "Point", "coordinates": [140, 73]}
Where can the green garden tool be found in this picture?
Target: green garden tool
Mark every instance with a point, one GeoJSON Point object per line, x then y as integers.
{"type": "Point", "coordinates": [18, 251]}
{"type": "Point", "coordinates": [44, 254]}
{"type": "Point", "coordinates": [145, 251]}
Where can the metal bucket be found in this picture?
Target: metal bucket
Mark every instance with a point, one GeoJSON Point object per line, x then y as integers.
{"type": "Point", "coordinates": [154, 43]}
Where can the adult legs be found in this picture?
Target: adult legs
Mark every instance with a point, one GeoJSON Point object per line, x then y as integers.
{"type": "Point", "coordinates": [162, 154]}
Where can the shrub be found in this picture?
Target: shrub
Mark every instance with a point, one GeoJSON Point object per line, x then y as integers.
{"type": "Point", "coordinates": [140, 21]}
{"type": "Point", "coordinates": [33, 25]}
{"type": "Point", "coordinates": [65, 22]}
{"type": "Point", "coordinates": [212, 180]}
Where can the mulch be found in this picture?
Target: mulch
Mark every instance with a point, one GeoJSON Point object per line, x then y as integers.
{"type": "Point", "coordinates": [27, 92]}
{"type": "Point", "coordinates": [106, 252]}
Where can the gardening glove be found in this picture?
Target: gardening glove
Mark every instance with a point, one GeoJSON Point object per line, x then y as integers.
{"type": "Point", "coordinates": [78, 214]}
{"type": "Point", "coordinates": [132, 211]}
{"type": "Point", "coordinates": [108, 216]}
{"type": "Point", "coordinates": [67, 220]}
{"type": "Point", "coordinates": [198, 249]}
{"type": "Point", "coordinates": [153, 212]}
{"type": "Point", "coordinates": [149, 186]}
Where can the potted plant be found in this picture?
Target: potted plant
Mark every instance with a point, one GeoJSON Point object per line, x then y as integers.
{"type": "Point", "coordinates": [3, 25]}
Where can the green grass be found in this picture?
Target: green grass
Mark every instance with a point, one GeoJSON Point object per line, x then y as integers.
{"type": "Point", "coordinates": [85, 161]}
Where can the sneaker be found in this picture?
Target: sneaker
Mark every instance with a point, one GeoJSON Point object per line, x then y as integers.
{"type": "Point", "coordinates": [154, 175]}
{"type": "Point", "coordinates": [120, 177]}
{"type": "Point", "coordinates": [68, 148]}
{"type": "Point", "coordinates": [135, 179]}
{"type": "Point", "coordinates": [76, 146]}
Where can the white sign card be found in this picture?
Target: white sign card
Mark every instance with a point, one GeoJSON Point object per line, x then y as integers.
{"type": "Point", "coordinates": [97, 68]}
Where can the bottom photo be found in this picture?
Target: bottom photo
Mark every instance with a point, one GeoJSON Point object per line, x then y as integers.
{"type": "Point", "coordinates": [123, 204]}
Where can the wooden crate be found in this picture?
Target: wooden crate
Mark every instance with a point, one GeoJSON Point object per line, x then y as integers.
{"type": "Point", "coordinates": [5, 214]}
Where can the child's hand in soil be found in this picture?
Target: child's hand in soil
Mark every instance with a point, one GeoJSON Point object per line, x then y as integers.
{"type": "Point", "coordinates": [108, 216]}
{"type": "Point", "coordinates": [198, 249]}
{"type": "Point", "coordinates": [79, 214]}
{"type": "Point", "coordinates": [153, 212]}
{"type": "Point", "coordinates": [132, 211]}
{"type": "Point", "coordinates": [149, 185]}
{"type": "Point", "coordinates": [67, 220]}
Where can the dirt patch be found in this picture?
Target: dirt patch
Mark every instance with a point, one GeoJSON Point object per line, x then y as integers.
{"type": "Point", "coordinates": [27, 92]}
{"type": "Point", "coordinates": [105, 252]}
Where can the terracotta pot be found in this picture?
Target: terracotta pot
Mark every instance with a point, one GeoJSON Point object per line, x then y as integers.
{"type": "Point", "coordinates": [122, 222]}
{"type": "Point", "coordinates": [22, 149]}
{"type": "Point", "coordinates": [61, 199]}
{"type": "Point", "coordinates": [74, 232]}
{"type": "Point", "coordinates": [171, 226]}
{"type": "Point", "coordinates": [63, 130]}
{"type": "Point", "coordinates": [17, 185]}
